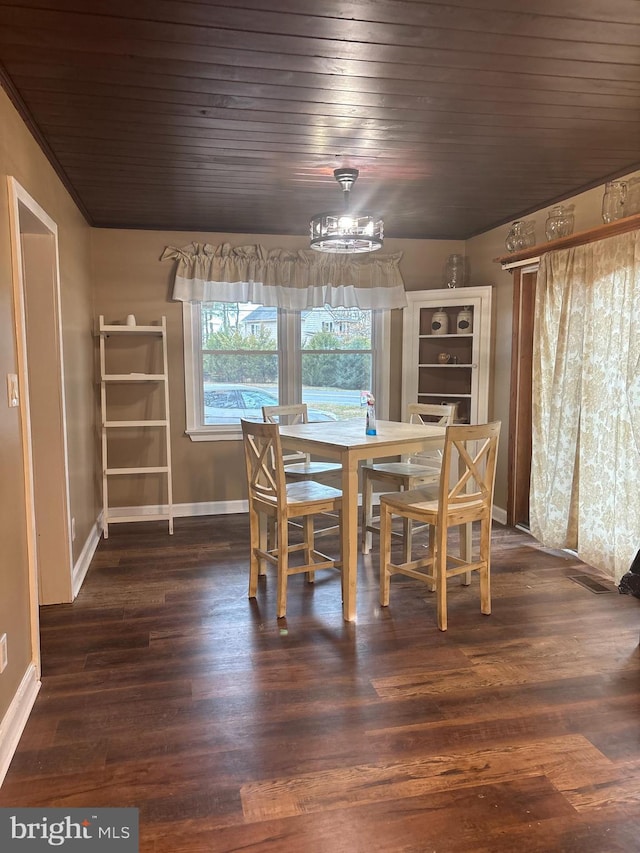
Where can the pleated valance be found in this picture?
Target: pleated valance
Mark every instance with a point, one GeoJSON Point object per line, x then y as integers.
{"type": "Point", "coordinates": [284, 278]}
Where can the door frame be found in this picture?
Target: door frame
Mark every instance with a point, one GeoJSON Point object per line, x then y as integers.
{"type": "Point", "coordinates": [520, 402]}
{"type": "Point", "coordinates": [27, 217]}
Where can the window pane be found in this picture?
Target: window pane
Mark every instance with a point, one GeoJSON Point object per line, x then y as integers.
{"type": "Point", "coordinates": [239, 361]}
{"type": "Point", "coordinates": [337, 360]}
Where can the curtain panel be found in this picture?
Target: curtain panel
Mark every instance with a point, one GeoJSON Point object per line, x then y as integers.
{"type": "Point", "coordinates": [283, 278]}
{"type": "Point", "coordinates": [585, 465]}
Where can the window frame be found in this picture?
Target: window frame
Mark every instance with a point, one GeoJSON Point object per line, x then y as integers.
{"type": "Point", "coordinates": [289, 368]}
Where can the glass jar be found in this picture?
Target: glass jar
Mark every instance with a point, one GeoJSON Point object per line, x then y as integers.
{"type": "Point", "coordinates": [614, 201]}
{"type": "Point", "coordinates": [455, 271]}
{"type": "Point", "coordinates": [559, 222]}
{"type": "Point", "coordinates": [632, 199]}
{"type": "Point", "coordinates": [522, 234]}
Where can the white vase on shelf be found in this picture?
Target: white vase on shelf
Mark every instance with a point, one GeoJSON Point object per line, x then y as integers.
{"type": "Point", "coordinates": [464, 321]}
{"type": "Point", "coordinates": [440, 322]}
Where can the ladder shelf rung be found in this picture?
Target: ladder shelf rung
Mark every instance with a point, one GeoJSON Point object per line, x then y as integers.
{"type": "Point", "coordinates": [149, 469]}
{"type": "Point", "coordinates": [157, 423]}
{"type": "Point", "coordinates": [134, 377]}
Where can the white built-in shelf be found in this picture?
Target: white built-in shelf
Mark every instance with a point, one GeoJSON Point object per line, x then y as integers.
{"type": "Point", "coordinates": [466, 382]}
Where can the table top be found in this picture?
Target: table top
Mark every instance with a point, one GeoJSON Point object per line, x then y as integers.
{"type": "Point", "coordinates": [351, 434]}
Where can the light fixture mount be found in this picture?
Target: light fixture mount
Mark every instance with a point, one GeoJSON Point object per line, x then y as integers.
{"type": "Point", "coordinates": [346, 232]}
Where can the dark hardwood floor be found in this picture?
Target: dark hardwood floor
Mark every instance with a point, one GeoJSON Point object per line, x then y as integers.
{"type": "Point", "coordinates": [165, 688]}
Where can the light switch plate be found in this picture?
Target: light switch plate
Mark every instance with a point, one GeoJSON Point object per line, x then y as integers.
{"type": "Point", "coordinates": [12, 390]}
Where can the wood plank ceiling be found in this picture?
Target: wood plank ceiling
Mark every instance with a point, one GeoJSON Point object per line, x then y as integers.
{"type": "Point", "coordinates": [232, 116]}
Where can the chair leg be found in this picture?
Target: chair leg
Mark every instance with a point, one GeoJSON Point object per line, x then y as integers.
{"type": "Point", "coordinates": [254, 537]}
{"type": "Point", "coordinates": [271, 532]}
{"type": "Point", "coordinates": [283, 566]}
{"type": "Point", "coordinates": [309, 542]}
{"type": "Point", "coordinates": [266, 524]}
{"type": "Point", "coordinates": [367, 513]}
{"type": "Point", "coordinates": [385, 554]}
{"type": "Point", "coordinates": [465, 531]}
{"type": "Point", "coordinates": [431, 585]}
{"type": "Point", "coordinates": [440, 566]}
{"type": "Point", "coordinates": [485, 571]}
{"type": "Point", "coordinates": [407, 535]}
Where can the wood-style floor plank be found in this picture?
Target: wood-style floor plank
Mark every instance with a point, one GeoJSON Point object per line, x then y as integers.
{"type": "Point", "coordinates": [165, 688]}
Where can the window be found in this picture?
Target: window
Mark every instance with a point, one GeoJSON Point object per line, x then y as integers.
{"type": "Point", "coordinates": [240, 357]}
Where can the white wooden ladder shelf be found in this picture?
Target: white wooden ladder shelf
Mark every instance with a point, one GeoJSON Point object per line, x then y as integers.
{"type": "Point", "coordinates": [134, 400]}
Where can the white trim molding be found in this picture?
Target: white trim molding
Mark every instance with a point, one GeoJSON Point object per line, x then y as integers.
{"type": "Point", "coordinates": [499, 515]}
{"type": "Point", "coordinates": [15, 719]}
{"type": "Point", "coordinates": [81, 566]}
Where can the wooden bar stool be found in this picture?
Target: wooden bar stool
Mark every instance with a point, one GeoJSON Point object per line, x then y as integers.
{"type": "Point", "coordinates": [412, 471]}
{"type": "Point", "coordinates": [271, 497]}
{"type": "Point", "coordinates": [469, 499]}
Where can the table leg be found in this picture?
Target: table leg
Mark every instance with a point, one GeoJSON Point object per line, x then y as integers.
{"type": "Point", "coordinates": [349, 536]}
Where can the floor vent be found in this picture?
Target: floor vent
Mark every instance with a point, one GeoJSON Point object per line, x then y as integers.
{"type": "Point", "coordinates": [592, 584]}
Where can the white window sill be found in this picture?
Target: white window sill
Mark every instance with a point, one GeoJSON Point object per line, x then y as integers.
{"type": "Point", "coordinates": [220, 433]}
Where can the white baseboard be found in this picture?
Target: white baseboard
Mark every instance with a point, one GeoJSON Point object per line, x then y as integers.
{"type": "Point", "coordinates": [233, 507]}
{"type": "Point", "coordinates": [83, 562]}
{"type": "Point", "coordinates": [186, 510]}
{"type": "Point", "coordinates": [15, 719]}
{"type": "Point", "coordinates": [499, 515]}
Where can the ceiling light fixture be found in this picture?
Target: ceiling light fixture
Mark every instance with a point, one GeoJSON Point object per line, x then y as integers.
{"type": "Point", "coordinates": [346, 232]}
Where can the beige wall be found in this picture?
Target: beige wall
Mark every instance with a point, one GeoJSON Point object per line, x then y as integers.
{"type": "Point", "coordinates": [129, 278]}
{"type": "Point", "coordinates": [21, 158]}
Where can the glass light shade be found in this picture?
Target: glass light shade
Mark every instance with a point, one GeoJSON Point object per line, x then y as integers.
{"type": "Point", "coordinates": [346, 233]}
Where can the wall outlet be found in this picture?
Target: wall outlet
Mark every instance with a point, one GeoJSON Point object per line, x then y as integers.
{"type": "Point", "coordinates": [13, 397]}
{"type": "Point", "coordinates": [3, 653]}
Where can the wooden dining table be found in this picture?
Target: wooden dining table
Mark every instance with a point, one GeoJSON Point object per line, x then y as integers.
{"type": "Point", "coordinates": [347, 442]}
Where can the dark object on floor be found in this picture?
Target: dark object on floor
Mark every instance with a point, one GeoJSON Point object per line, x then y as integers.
{"type": "Point", "coordinates": [591, 583]}
{"type": "Point", "coordinates": [630, 583]}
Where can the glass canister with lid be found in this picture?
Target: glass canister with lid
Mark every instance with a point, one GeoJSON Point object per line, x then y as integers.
{"type": "Point", "coordinates": [559, 222]}
{"type": "Point", "coordinates": [614, 201]}
{"type": "Point", "coordinates": [455, 271]}
{"type": "Point", "coordinates": [521, 235]}
{"type": "Point", "coordinates": [632, 201]}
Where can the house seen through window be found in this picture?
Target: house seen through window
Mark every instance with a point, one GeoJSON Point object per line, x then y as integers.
{"type": "Point", "coordinates": [253, 356]}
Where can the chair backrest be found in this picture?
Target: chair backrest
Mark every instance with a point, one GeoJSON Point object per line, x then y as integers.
{"type": "Point", "coordinates": [294, 414]}
{"type": "Point", "coordinates": [433, 413]}
{"type": "Point", "coordinates": [429, 413]}
{"type": "Point", "coordinates": [469, 461]}
{"type": "Point", "coordinates": [264, 464]}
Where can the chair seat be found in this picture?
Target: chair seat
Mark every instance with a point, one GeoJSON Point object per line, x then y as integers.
{"type": "Point", "coordinates": [311, 469]}
{"type": "Point", "coordinates": [309, 491]}
{"type": "Point", "coordinates": [423, 504]}
{"type": "Point", "coordinates": [411, 470]}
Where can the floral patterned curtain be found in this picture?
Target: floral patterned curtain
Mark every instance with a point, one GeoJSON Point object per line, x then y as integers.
{"type": "Point", "coordinates": [585, 470]}
{"type": "Point", "coordinates": [286, 279]}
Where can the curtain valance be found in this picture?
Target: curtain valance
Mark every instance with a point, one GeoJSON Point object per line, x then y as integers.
{"type": "Point", "coordinates": [285, 278]}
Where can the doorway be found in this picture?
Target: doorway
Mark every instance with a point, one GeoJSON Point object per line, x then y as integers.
{"type": "Point", "coordinates": [38, 329]}
{"type": "Point", "coordinates": [519, 454]}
